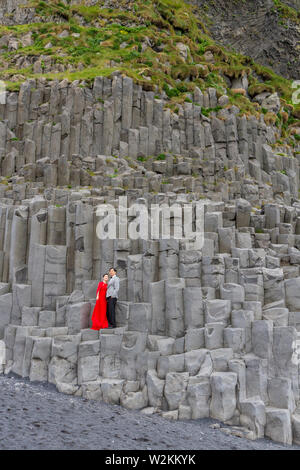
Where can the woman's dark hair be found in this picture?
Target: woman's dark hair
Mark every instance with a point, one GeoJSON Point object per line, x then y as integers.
{"type": "Point", "coordinates": [105, 274]}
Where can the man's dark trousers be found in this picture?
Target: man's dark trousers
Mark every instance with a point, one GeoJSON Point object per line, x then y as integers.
{"type": "Point", "coordinates": [111, 306]}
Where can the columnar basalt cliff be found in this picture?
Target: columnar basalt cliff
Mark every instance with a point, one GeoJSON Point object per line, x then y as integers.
{"type": "Point", "coordinates": [201, 332]}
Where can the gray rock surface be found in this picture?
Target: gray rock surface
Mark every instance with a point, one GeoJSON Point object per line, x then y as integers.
{"type": "Point", "coordinates": [247, 26]}
{"type": "Point", "coordinates": [210, 331]}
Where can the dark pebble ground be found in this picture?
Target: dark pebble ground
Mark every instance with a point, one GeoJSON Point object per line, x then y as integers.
{"type": "Point", "coordinates": [35, 416]}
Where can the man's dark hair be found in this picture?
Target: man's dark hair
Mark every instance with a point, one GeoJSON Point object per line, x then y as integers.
{"type": "Point", "coordinates": [113, 269]}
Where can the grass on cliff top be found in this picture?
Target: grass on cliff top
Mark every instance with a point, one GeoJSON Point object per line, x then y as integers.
{"type": "Point", "coordinates": [286, 12]}
{"type": "Point", "coordinates": [140, 38]}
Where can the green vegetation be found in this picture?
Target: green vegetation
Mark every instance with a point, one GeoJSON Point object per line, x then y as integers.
{"type": "Point", "coordinates": [161, 156]}
{"type": "Point", "coordinates": [141, 39]}
{"type": "Point", "coordinates": [286, 12]}
{"type": "Point", "coordinates": [207, 111]}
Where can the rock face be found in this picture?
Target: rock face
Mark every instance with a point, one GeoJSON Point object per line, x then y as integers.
{"type": "Point", "coordinates": [201, 331]}
{"type": "Point", "coordinates": [15, 12]}
{"type": "Point", "coordinates": [246, 26]}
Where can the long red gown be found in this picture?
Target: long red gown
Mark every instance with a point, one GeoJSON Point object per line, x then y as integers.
{"type": "Point", "coordinates": [99, 319]}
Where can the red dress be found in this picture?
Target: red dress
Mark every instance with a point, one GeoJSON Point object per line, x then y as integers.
{"type": "Point", "coordinates": [99, 319]}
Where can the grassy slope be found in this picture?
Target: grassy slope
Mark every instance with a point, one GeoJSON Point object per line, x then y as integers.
{"type": "Point", "coordinates": [139, 38]}
{"type": "Point", "coordinates": [286, 12]}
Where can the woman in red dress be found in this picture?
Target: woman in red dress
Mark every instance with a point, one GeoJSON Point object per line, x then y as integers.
{"type": "Point", "coordinates": [99, 319]}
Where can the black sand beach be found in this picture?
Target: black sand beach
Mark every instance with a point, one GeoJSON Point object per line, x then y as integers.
{"type": "Point", "coordinates": [35, 416]}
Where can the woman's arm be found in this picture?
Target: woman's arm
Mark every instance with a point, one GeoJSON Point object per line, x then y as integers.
{"type": "Point", "coordinates": [98, 290]}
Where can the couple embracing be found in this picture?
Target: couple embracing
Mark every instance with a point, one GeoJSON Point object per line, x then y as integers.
{"type": "Point", "coordinates": [107, 295]}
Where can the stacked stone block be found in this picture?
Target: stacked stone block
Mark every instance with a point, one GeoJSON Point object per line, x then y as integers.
{"type": "Point", "coordinates": [208, 332]}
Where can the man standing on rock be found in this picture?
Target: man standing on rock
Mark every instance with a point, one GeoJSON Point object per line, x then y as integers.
{"type": "Point", "coordinates": [112, 297]}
